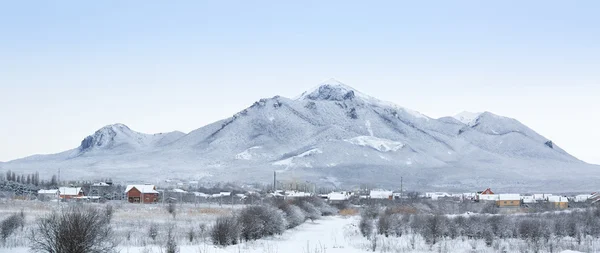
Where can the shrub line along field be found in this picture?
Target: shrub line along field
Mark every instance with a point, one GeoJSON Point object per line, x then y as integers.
{"type": "Point", "coordinates": [298, 226]}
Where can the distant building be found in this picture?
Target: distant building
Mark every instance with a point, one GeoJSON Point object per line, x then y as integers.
{"type": "Point", "coordinates": [138, 193]}
{"type": "Point", "coordinates": [582, 198]}
{"type": "Point", "coordinates": [486, 195]}
{"type": "Point", "coordinates": [380, 194]}
{"type": "Point", "coordinates": [528, 199]}
{"type": "Point", "coordinates": [437, 195]}
{"type": "Point", "coordinates": [70, 192]}
{"type": "Point", "coordinates": [541, 196]}
{"type": "Point", "coordinates": [338, 197]}
{"type": "Point", "coordinates": [487, 191]}
{"type": "Point", "coordinates": [48, 194]}
{"type": "Point", "coordinates": [559, 201]}
{"type": "Point", "coordinates": [508, 200]}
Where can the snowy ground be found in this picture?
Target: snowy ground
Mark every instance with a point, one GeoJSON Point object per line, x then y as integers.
{"type": "Point", "coordinates": [331, 234]}
{"type": "Point", "coordinates": [327, 235]}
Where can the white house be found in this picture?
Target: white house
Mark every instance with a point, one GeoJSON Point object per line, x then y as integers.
{"type": "Point", "coordinates": [380, 194]}
{"type": "Point", "coordinates": [437, 195]}
{"type": "Point", "coordinates": [339, 196]}
{"type": "Point", "coordinates": [582, 198]}
{"type": "Point", "coordinates": [201, 195]}
{"type": "Point", "coordinates": [541, 196]}
{"type": "Point", "coordinates": [528, 199]}
{"type": "Point", "coordinates": [48, 194]}
{"type": "Point", "coordinates": [297, 194]}
{"type": "Point", "coordinates": [487, 197]}
{"type": "Point", "coordinates": [179, 191]}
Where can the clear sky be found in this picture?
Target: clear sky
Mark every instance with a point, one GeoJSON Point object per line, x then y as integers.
{"type": "Point", "coordinates": [67, 68]}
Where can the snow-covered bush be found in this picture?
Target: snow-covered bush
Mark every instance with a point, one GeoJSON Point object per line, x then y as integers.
{"type": "Point", "coordinates": [77, 229]}
{"type": "Point", "coordinates": [371, 211]}
{"type": "Point", "coordinates": [366, 226]}
{"type": "Point", "coordinates": [293, 215]}
{"type": "Point", "coordinates": [171, 245]}
{"type": "Point", "coordinates": [386, 224]}
{"type": "Point", "coordinates": [261, 221]}
{"type": "Point", "coordinates": [310, 211]}
{"type": "Point", "coordinates": [10, 224]}
{"type": "Point", "coordinates": [153, 231]}
{"type": "Point", "coordinates": [226, 231]}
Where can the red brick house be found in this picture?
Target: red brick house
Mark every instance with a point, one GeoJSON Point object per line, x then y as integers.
{"type": "Point", "coordinates": [141, 193]}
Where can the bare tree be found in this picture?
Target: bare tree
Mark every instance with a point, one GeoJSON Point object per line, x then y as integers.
{"type": "Point", "coordinates": [10, 224]}
{"type": "Point", "coordinates": [153, 231]}
{"type": "Point", "coordinates": [172, 209]}
{"type": "Point", "coordinates": [171, 245]}
{"type": "Point", "coordinates": [77, 230]}
{"type": "Point", "coordinates": [226, 231]}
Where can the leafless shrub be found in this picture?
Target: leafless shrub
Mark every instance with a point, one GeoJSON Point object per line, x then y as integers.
{"type": "Point", "coordinates": [171, 245]}
{"type": "Point", "coordinates": [261, 221]}
{"type": "Point", "coordinates": [172, 209]}
{"type": "Point", "coordinates": [77, 230]}
{"type": "Point", "coordinates": [191, 235]}
{"type": "Point", "coordinates": [226, 231]}
{"type": "Point", "coordinates": [109, 212]}
{"type": "Point", "coordinates": [153, 231]}
{"type": "Point", "coordinates": [10, 224]}
{"type": "Point", "coordinates": [366, 226]}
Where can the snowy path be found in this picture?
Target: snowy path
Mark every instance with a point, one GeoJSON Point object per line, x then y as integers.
{"type": "Point", "coordinates": [325, 235]}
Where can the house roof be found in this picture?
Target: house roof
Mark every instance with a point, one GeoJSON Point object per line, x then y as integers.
{"type": "Point", "coordinates": [48, 191]}
{"type": "Point", "coordinates": [337, 196]}
{"type": "Point", "coordinates": [556, 199]}
{"type": "Point", "coordinates": [509, 197]}
{"type": "Point", "coordinates": [143, 188]}
{"type": "Point", "coordinates": [69, 191]}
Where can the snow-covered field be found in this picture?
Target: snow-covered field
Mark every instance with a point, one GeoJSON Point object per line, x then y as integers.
{"type": "Point", "coordinates": [329, 234]}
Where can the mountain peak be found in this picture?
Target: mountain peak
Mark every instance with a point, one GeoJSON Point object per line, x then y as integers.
{"type": "Point", "coordinates": [467, 117]}
{"type": "Point", "coordinates": [330, 89]}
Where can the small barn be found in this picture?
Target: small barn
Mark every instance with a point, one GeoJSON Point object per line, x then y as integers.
{"type": "Point", "coordinates": [145, 193]}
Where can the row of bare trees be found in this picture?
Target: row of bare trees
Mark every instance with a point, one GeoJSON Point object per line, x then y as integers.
{"type": "Point", "coordinates": [537, 229]}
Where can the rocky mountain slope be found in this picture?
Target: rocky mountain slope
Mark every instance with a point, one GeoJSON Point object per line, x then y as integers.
{"type": "Point", "coordinates": [334, 135]}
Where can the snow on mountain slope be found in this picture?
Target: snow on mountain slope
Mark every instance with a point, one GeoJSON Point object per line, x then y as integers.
{"type": "Point", "coordinates": [382, 145]}
{"type": "Point", "coordinates": [119, 136]}
{"type": "Point", "coordinates": [467, 118]}
{"type": "Point", "coordinates": [332, 134]}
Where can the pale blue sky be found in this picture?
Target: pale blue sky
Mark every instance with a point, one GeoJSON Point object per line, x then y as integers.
{"type": "Point", "coordinates": [68, 68]}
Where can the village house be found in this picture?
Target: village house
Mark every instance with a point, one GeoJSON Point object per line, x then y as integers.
{"type": "Point", "coordinates": [70, 192]}
{"type": "Point", "coordinates": [541, 196]}
{"type": "Point", "coordinates": [137, 193]}
{"type": "Point", "coordinates": [559, 201]}
{"type": "Point", "coordinates": [582, 198]}
{"type": "Point", "coordinates": [380, 194]}
{"type": "Point", "coordinates": [437, 195]}
{"type": "Point", "coordinates": [528, 199]}
{"type": "Point", "coordinates": [48, 194]}
{"type": "Point", "coordinates": [338, 197]}
{"type": "Point", "coordinates": [508, 200]}
{"type": "Point", "coordinates": [486, 195]}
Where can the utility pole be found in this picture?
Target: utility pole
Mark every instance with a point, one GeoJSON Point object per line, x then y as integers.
{"type": "Point", "coordinates": [274, 181]}
{"type": "Point", "coordinates": [401, 189]}
{"type": "Point", "coordinates": [58, 186]}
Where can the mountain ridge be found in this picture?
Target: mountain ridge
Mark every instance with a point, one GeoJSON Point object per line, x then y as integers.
{"type": "Point", "coordinates": [332, 135]}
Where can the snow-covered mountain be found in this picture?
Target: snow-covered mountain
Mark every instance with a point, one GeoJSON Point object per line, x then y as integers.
{"type": "Point", "coordinates": [336, 135]}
